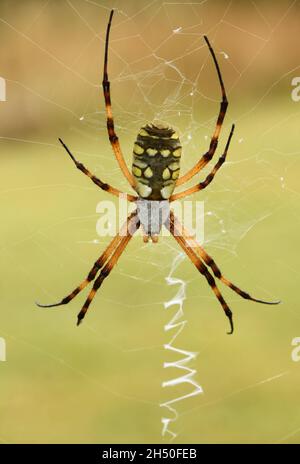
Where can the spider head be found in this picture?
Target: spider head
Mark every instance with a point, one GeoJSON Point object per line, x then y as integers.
{"type": "Point", "coordinates": [156, 161]}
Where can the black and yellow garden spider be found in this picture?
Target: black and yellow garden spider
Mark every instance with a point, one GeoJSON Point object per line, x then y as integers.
{"type": "Point", "coordinates": [155, 174]}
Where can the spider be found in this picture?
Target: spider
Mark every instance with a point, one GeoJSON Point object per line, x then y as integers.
{"type": "Point", "coordinates": [155, 174]}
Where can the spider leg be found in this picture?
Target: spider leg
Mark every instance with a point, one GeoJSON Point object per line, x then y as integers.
{"type": "Point", "coordinates": [175, 231]}
{"type": "Point", "coordinates": [211, 263]}
{"type": "Point", "coordinates": [108, 188]}
{"type": "Point", "coordinates": [214, 140]}
{"type": "Point", "coordinates": [209, 178]}
{"type": "Point", "coordinates": [115, 242]}
{"type": "Point", "coordinates": [114, 140]}
{"type": "Point", "coordinates": [105, 272]}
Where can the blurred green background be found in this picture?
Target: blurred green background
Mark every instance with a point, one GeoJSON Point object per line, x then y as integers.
{"type": "Point", "coordinates": [101, 382]}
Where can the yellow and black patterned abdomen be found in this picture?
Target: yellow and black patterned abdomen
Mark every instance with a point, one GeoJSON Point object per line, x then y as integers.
{"type": "Point", "coordinates": [156, 161]}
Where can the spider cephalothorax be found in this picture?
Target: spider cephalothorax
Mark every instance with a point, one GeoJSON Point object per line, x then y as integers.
{"type": "Point", "coordinates": [156, 161]}
{"type": "Point", "coordinates": [155, 174]}
{"type": "Point", "coordinates": [152, 215]}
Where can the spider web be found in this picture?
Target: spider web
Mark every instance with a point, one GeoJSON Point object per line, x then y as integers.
{"type": "Point", "coordinates": [113, 364]}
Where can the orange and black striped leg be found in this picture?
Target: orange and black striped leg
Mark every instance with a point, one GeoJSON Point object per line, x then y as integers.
{"type": "Point", "coordinates": [110, 121]}
{"type": "Point", "coordinates": [97, 265]}
{"type": "Point", "coordinates": [209, 178]}
{"type": "Point", "coordinates": [105, 272]}
{"type": "Point", "coordinates": [108, 188]}
{"type": "Point", "coordinates": [199, 250]}
{"type": "Point", "coordinates": [214, 140]}
{"type": "Point", "coordinates": [175, 231]}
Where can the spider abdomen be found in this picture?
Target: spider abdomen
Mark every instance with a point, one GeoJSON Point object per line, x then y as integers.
{"type": "Point", "coordinates": [156, 161]}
